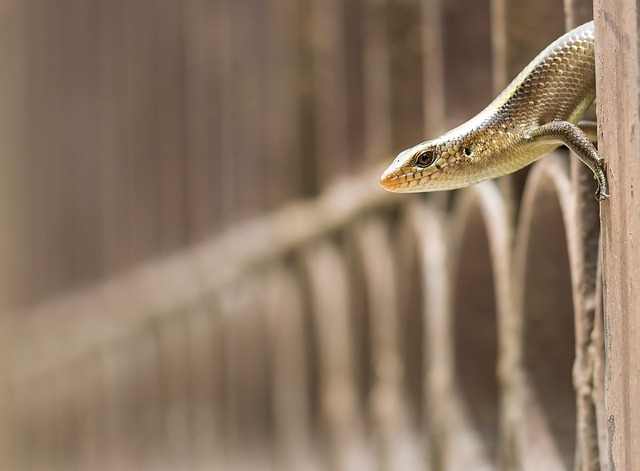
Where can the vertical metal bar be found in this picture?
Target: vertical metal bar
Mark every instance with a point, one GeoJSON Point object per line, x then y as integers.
{"type": "Point", "coordinates": [93, 414]}
{"type": "Point", "coordinates": [353, 26]}
{"type": "Point", "coordinates": [584, 249]}
{"type": "Point", "coordinates": [409, 280]}
{"type": "Point", "coordinates": [14, 274]}
{"type": "Point", "coordinates": [545, 331]}
{"type": "Point", "coordinates": [457, 62]}
{"type": "Point", "coordinates": [227, 120]}
{"type": "Point", "coordinates": [247, 368]}
{"type": "Point", "coordinates": [287, 155]}
{"type": "Point", "coordinates": [377, 114]}
{"type": "Point", "coordinates": [247, 110]}
{"type": "Point", "coordinates": [141, 159]}
{"type": "Point", "coordinates": [432, 65]}
{"type": "Point", "coordinates": [398, 446]}
{"type": "Point", "coordinates": [403, 31]}
{"type": "Point", "coordinates": [481, 351]}
{"type": "Point", "coordinates": [113, 186]}
{"type": "Point", "coordinates": [340, 410]}
{"type": "Point", "coordinates": [202, 117]}
{"type": "Point", "coordinates": [436, 292]}
{"type": "Point", "coordinates": [174, 373]}
{"type": "Point", "coordinates": [330, 91]}
{"type": "Point", "coordinates": [76, 111]}
{"type": "Point", "coordinates": [467, 58]}
{"type": "Point", "coordinates": [206, 387]}
{"type": "Point", "coordinates": [13, 270]}
{"type": "Point", "coordinates": [520, 30]}
{"type": "Point", "coordinates": [290, 371]}
{"type": "Point", "coordinates": [170, 133]}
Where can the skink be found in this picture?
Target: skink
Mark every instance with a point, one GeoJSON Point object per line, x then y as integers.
{"type": "Point", "coordinates": [539, 111]}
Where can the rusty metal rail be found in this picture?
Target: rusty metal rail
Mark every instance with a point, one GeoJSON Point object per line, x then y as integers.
{"type": "Point", "coordinates": [357, 330]}
{"type": "Point", "coordinates": [370, 336]}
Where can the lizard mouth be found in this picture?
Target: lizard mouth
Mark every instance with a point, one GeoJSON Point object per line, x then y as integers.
{"type": "Point", "coordinates": [389, 180]}
{"type": "Point", "coordinates": [395, 180]}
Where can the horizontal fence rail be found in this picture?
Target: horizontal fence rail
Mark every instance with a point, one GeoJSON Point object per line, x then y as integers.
{"type": "Point", "coordinates": [308, 355]}
{"type": "Point", "coordinates": [259, 302]}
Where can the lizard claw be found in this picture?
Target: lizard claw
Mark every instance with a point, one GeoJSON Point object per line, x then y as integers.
{"type": "Point", "coordinates": [600, 175]}
{"type": "Point", "coordinates": [601, 191]}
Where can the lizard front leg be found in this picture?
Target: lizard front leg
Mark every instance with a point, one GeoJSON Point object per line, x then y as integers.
{"type": "Point", "coordinates": [578, 141]}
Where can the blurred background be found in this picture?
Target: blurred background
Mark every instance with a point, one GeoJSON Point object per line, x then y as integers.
{"type": "Point", "coordinates": [199, 268]}
{"type": "Point", "coordinates": [145, 127]}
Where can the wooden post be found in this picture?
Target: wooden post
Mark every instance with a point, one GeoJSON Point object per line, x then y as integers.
{"type": "Point", "coordinates": [618, 82]}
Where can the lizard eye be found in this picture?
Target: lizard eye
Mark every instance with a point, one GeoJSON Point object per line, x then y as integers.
{"type": "Point", "coordinates": [467, 151]}
{"type": "Point", "coordinates": [426, 158]}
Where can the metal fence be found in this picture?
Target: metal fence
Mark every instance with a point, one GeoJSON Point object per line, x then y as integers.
{"type": "Point", "coordinates": [204, 274]}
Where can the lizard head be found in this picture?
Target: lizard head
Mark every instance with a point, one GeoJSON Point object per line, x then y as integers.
{"type": "Point", "coordinates": [438, 164]}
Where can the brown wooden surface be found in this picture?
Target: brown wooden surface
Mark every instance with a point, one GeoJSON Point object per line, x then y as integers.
{"type": "Point", "coordinates": [619, 117]}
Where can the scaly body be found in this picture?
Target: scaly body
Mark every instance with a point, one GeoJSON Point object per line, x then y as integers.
{"type": "Point", "coordinates": [539, 111]}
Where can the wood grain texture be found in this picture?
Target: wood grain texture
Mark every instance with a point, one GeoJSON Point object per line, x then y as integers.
{"type": "Point", "coordinates": [618, 78]}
